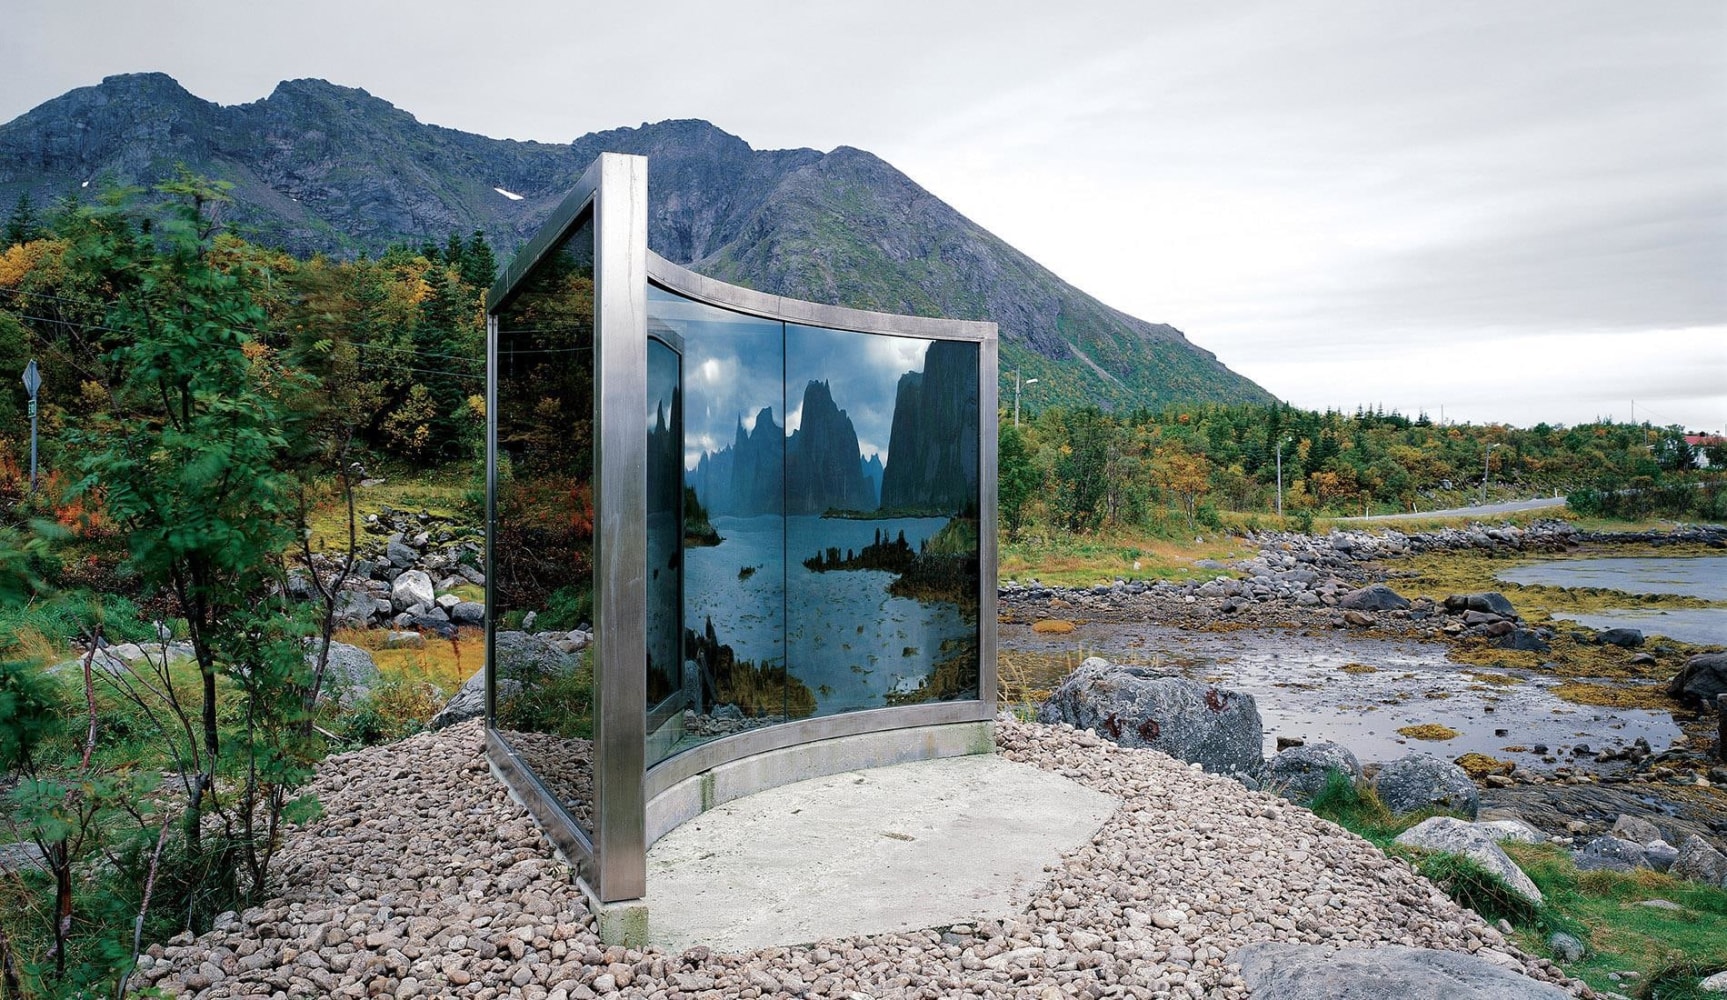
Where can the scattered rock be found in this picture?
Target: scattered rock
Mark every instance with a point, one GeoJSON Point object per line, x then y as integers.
{"type": "Point", "coordinates": [1700, 680]}
{"type": "Point", "coordinates": [1377, 597]}
{"type": "Point", "coordinates": [1422, 781]}
{"type": "Point", "coordinates": [1300, 772]}
{"type": "Point", "coordinates": [349, 671]}
{"type": "Point", "coordinates": [1626, 638]}
{"type": "Point", "coordinates": [1698, 861]}
{"type": "Point", "coordinates": [1455, 836]}
{"type": "Point", "coordinates": [21, 855]}
{"type": "Point", "coordinates": [1660, 855]}
{"type": "Point", "coordinates": [1564, 947]}
{"type": "Point", "coordinates": [412, 588]}
{"type": "Point", "coordinates": [1214, 727]}
{"type": "Point", "coordinates": [1635, 829]}
{"type": "Point", "coordinates": [404, 640]}
{"type": "Point", "coordinates": [1488, 602]}
{"type": "Point", "coordinates": [1276, 970]}
{"type": "Point", "coordinates": [468, 613]}
{"type": "Point", "coordinates": [1610, 854]}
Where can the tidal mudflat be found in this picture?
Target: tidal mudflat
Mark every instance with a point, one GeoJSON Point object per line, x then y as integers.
{"type": "Point", "coordinates": [1359, 691]}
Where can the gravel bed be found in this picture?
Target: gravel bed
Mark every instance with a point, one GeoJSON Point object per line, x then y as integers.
{"type": "Point", "coordinates": [424, 879]}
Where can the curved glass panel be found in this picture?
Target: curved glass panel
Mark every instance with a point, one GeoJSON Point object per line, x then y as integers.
{"type": "Point", "coordinates": [733, 457]}
{"type": "Point", "coordinates": [542, 531]}
{"type": "Point", "coordinates": [830, 555]}
{"type": "Point", "coordinates": [672, 689]}
{"type": "Point", "coordinates": [881, 518]}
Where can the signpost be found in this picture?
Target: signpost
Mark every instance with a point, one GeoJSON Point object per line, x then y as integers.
{"type": "Point", "coordinates": [32, 382]}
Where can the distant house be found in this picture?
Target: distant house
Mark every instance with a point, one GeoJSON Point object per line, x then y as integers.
{"type": "Point", "coordinates": [1700, 443]}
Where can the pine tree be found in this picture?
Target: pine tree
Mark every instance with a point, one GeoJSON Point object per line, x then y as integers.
{"type": "Point", "coordinates": [22, 225]}
{"type": "Point", "coordinates": [479, 266]}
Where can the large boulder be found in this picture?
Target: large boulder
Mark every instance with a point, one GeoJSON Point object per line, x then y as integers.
{"type": "Point", "coordinates": [470, 700]}
{"type": "Point", "coordinates": [1489, 602]}
{"type": "Point", "coordinates": [1378, 597]}
{"type": "Point", "coordinates": [1423, 781]}
{"type": "Point", "coordinates": [468, 613]}
{"type": "Point", "coordinates": [1698, 861]}
{"type": "Point", "coordinates": [1454, 836]}
{"type": "Point", "coordinates": [1610, 853]}
{"type": "Point", "coordinates": [411, 588]}
{"type": "Point", "coordinates": [1299, 773]}
{"type": "Point", "coordinates": [349, 671]}
{"type": "Point", "coordinates": [1276, 970]}
{"type": "Point", "coordinates": [1625, 638]}
{"type": "Point", "coordinates": [1700, 680]}
{"type": "Point", "coordinates": [1213, 727]}
{"type": "Point", "coordinates": [524, 655]}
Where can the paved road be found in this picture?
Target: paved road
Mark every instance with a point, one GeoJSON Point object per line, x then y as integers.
{"type": "Point", "coordinates": [1489, 510]}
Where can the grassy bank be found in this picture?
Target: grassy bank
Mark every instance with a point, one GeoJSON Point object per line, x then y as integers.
{"type": "Point", "coordinates": [1669, 947]}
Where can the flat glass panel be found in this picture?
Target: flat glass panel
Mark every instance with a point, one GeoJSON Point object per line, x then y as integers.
{"type": "Point", "coordinates": [671, 689]}
{"type": "Point", "coordinates": [881, 518]}
{"type": "Point", "coordinates": [542, 535]}
{"type": "Point", "coordinates": [734, 525]}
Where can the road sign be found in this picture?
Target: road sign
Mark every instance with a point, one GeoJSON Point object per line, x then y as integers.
{"type": "Point", "coordinates": [32, 378]}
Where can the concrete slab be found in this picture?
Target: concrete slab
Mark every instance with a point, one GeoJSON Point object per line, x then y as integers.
{"type": "Point", "coordinates": [924, 844]}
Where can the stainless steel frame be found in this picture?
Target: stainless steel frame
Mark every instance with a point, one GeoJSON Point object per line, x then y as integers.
{"type": "Point", "coordinates": [613, 860]}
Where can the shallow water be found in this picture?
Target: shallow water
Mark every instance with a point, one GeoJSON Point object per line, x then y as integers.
{"type": "Point", "coordinates": [1704, 626]}
{"type": "Point", "coordinates": [844, 635]}
{"type": "Point", "coordinates": [1301, 691]}
{"type": "Point", "coordinates": [1693, 576]}
{"type": "Point", "coordinates": [1690, 576]}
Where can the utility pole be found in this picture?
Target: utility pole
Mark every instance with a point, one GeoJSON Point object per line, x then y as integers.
{"type": "Point", "coordinates": [1280, 445]}
{"type": "Point", "coordinates": [1485, 460]}
{"type": "Point", "coordinates": [1016, 385]}
{"type": "Point", "coordinates": [32, 382]}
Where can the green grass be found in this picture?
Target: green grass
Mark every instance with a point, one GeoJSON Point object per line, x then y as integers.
{"type": "Point", "coordinates": [450, 493]}
{"type": "Point", "coordinates": [1065, 559]}
{"type": "Point", "coordinates": [1670, 950]}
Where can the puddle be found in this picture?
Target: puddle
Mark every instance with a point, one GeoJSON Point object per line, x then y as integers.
{"type": "Point", "coordinates": [1302, 691]}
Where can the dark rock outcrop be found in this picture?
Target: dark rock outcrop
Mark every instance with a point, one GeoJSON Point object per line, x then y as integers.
{"type": "Point", "coordinates": [1377, 597]}
{"type": "Point", "coordinates": [823, 468]}
{"type": "Point", "coordinates": [1700, 680]}
{"type": "Point", "coordinates": [932, 448]}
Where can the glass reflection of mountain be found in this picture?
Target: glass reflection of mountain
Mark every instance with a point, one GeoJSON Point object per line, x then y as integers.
{"type": "Point", "coordinates": [932, 452]}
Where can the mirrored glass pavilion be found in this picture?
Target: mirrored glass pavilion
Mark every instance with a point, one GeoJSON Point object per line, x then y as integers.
{"type": "Point", "coordinates": [734, 540]}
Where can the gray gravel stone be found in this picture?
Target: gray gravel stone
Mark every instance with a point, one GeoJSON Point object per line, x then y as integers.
{"type": "Point", "coordinates": [422, 868]}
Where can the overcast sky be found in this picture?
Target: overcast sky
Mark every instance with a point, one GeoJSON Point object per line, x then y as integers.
{"type": "Point", "coordinates": [1515, 211]}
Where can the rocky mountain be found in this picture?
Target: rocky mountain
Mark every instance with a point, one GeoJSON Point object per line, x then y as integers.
{"type": "Point", "coordinates": [318, 167]}
{"type": "Point", "coordinates": [747, 476]}
{"type": "Point", "coordinates": [823, 468]}
{"type": "Point", "coordinates": [932, 447]}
